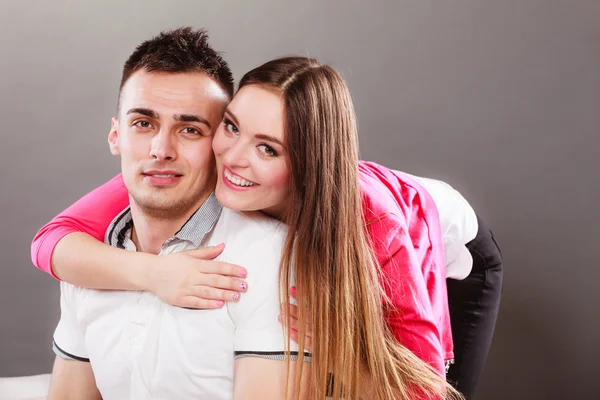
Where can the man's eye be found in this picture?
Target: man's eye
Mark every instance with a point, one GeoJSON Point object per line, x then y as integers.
{"type": "Point", "coordinates": [143, 124]}
{"type": "Point", "coordinates": [192, 131]}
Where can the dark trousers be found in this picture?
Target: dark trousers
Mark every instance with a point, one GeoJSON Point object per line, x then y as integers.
{"type": "Point", "coordinates": [474, 304]}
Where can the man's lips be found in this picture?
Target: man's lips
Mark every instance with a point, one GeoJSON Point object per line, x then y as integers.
{"type": "Point", "coordinates": [162, 177]}
{"type": "Point", "coordinates": [162, 174]}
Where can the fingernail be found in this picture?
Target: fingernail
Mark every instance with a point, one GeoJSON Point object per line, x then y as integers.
{"type": "Point", "coordinates": [220, 303]}
{"type": "Point", "coordinates": [220, 245]}
{"type": "Point", "coordinates": [293, 290]}
{"type": "Point", "coordinates": [235, 296]}
{"type": "Point", "coordinates": [242, 272]}
{"type": "Point", "coordinates": [243, 286]}
{"type": "Point", "coordinates": [279, 318]}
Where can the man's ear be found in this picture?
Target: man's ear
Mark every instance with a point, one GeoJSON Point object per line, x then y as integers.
{"type": "Point", "coordinates": [113, 137]}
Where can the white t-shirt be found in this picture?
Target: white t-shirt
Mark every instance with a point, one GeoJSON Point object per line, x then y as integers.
{"type": "Point", "coordinates": [459, 225]}
{"type": "Point", "coordinates": [142, 348]}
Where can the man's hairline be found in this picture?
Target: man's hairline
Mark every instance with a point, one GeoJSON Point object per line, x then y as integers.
{"type": "Point", "coordinates": [226, 97]}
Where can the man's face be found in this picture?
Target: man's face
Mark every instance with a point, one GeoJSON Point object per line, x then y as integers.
{"type": "Point", "coordinates": [163, 134]}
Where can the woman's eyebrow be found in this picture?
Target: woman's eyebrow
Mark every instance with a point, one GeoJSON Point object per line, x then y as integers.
{"type": "Point", "coordinates": [273, 139]}
{"type": "Point", "coordinates": [232, 116]}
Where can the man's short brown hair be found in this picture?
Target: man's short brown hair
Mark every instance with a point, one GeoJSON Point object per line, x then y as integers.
{"type": "Point", "coordinates": [179, 51]}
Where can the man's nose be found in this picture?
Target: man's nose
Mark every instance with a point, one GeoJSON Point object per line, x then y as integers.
{"type": "Point", "coordinates": [163, 146]}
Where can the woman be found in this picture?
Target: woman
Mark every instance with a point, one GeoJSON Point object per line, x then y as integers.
{"type": "Point", "coordinates": [288, 146]}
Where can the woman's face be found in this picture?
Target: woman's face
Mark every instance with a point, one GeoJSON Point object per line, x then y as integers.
{"type": "Point", "coordinates": [251, 157]}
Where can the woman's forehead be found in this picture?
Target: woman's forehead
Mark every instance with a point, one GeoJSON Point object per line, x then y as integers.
{"type": "Point", "coordinates": [259, 109]}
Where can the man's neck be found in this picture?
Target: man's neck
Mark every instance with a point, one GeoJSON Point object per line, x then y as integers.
{"type": "Point", "coordinates": [149, 233]}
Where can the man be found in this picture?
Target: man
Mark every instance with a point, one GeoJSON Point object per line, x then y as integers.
{"type": "Point", "coordinates": [132, 345]}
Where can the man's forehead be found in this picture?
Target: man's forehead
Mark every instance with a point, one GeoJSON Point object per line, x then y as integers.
{"type": "Point", "coordinates": [186, 92]}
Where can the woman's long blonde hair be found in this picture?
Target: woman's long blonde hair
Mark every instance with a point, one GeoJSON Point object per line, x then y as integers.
{"type": "Point", "coordinates": [327, 249]}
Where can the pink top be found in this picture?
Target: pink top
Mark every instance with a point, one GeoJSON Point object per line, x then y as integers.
{"type": "Point", "coordinates": [404, 229]}
{"type": "Point", "coordinates": [91, 214]}
{"type": "Point", "coordinates": [405, 232]}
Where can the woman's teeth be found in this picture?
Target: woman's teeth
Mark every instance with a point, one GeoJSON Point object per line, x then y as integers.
{"type": "Point", "coordinates": [237, 180]}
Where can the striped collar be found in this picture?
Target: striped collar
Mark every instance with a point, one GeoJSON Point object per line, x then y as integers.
{"type": "Point", "coordinates": [193, 231]}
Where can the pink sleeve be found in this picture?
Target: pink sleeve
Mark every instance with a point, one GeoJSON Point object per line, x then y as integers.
{"type": "Point", "coordinates": [410, 316]}
{"type": "Point", "coordinates": [411, 273]}
{"type": "Point", "coordinates": [92, 214]}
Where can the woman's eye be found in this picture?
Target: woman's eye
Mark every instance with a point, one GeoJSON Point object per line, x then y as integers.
{"type": "Point", "coordinates": [268, 150]}
{"type": "Point", "coordinates": [231, 128]}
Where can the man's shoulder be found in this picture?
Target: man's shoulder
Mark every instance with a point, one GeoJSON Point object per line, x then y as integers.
{"type": "Point", "coordinates": [72, 292]}
{"type": "Point", "coordinates": [71, 295]}
{"type": "Point", "coordinates": [254, 224]}
{"type": "Point", "coordinates": [252, 240]}
{"type": "Point", "coordinates": [69, 289]}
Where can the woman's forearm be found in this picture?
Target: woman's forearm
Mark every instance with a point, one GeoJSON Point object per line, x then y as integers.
{"type": "Point", "coordinates": [189, 279]}
{"type": "Point", "coordinates": [92, 214]}
{"type": "Point", "coordinates": [81, 260]}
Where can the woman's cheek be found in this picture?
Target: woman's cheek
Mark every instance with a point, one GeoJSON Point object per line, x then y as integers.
{"type": "Point", "coordinates": [219, 143]}
{"type": "Point", "coordinates": [278, 176]}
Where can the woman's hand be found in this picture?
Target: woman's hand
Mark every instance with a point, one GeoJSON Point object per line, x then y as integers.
{"type": "Point", "coordinates": [192, 279]}
{"type": "Point", "coordinates": [293, 324]}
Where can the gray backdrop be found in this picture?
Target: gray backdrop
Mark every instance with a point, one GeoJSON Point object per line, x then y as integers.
{"type": "Point", "coordinates": [499, 98]}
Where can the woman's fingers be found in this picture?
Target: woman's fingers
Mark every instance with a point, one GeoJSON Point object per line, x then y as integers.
{"type": "Point", "coordinates": [307, 339]}
{"type": "Point", "coordinates": [187, 280]}
{"type": "Point", "coordinates": [294, 323]}
{"type": "Point", "coordinates": [193, 302]}
{"type": "Point", "coordinates": [211, 293]}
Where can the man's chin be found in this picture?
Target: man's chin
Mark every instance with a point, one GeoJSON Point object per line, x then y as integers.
{"type": "Point", "coordinates": [164, 204]}
{"type": "Point", "coordinates": [161, 209]}
{"type": "Point", "coordinates": [156, 200]}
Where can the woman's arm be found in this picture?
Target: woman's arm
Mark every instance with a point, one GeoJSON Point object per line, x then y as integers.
{"type": "Point", "coordinates": [71, 248]}
{"type": "Point", "coordinates": [92, 214]}
{"type": "Point", "coordinates": [82, 260]}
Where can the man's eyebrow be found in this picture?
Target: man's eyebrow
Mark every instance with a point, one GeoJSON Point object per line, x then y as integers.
{"type": "Point", "coordinates": [269, 138]}
{"type": "Point", "coordinates": [191, 118]}
{"type": "Point", "coordinates": [144, 111]}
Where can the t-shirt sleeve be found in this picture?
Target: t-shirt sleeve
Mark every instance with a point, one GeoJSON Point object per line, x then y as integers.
{"type": "Point", "coordinates": [92, 214]}
{"type": "Point", "coordinates": [258, 332]}
{"type": "Point", "coordinates": [69, 341]}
